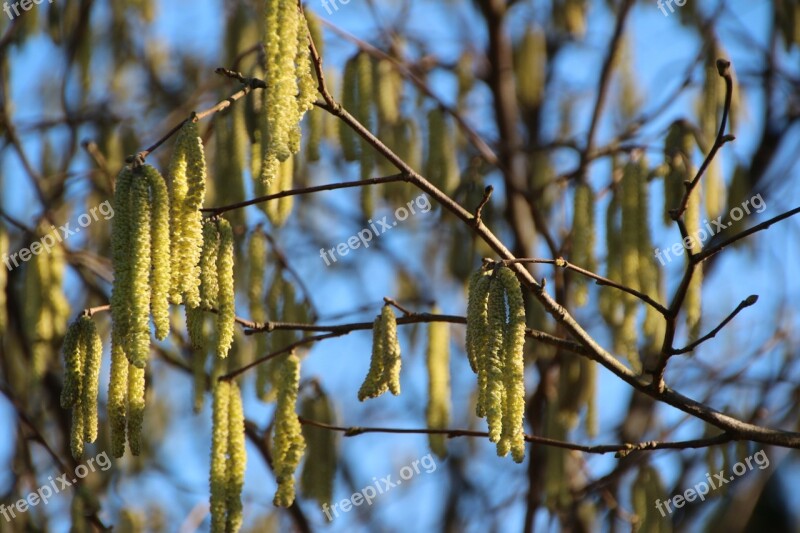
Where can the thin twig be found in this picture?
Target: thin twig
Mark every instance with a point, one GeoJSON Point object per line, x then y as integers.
{"type": "Point", "coordinates": [747, 302]}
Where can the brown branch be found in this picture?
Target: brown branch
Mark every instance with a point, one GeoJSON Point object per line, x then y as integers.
{"type": "Point", "coordinates": [216, 211]}
{"type": "Point", "coordinates": [747, 302]}
{"type": "Point", "coordinates": [620, 450]}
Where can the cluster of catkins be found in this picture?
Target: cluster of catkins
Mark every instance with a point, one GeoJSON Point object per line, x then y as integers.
{"type": "Point", "coordinates": [384, 366]}
{"type": "Point", "coordinates": [495, 339]}
{"type": "Point", "coordinates": [82, 352]}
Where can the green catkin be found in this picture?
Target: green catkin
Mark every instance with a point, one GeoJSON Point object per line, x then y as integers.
{"type": "Point", "coordinates": [319, 469]}
{"type": "Point", "coordinates": [438, 361]}
{"type": "Point", "coordinates": [91, 377]}
{"type": "Point", "coordinates": [388, 92]}
{"type": "Point", "coordinates": [364, 115]}
{"type": "Point", "coordinates": [238, 459]}
{"type": "Point", "coordinates": [588, 394]}
{"type": "Point", "coordinates": [257, 255]}
{"type": "Point", "coordinates": [530, 67]}
{"type": "Point", "coordinates": [76, 434]}
{"type": "Point", "coordinates": [678, 149]}
{"type": "Point", "coordinates": [693, 302]}
{"type": "Point", "coordinates": [187, 171]}
{"type": "Point", "coordinates": [118, 398]}
{"type": "Point", "coordinates": [229, 162]}
{"type": "Point", "coordinates": [160, 250]}
{"type": "Point", "coordinates": [714, 190]}
{"type": "Point", "coordinates": [218, 481]}
{"type": "Point", "coordinates": [121, 232]}
{"type": "Point", "coordinates": [278, 211]}
{"type": "Point", "coordinates": [630, 224]}
{"type": "Point", "coordinates": [226, 315]}
{"type": "Point", "coordinates": [140, 259]}
{"type": "Point", "coordinates": [136, 403]}
{"type": "Point", "coordinates": [409, 143]}
{"type": "Point", "coordinates": [195, 323]}
{"type": "Point", "coordinates": [209, 279]}
{"type": "Point", "coordinates": [347, 137]}
{"type": "Point", "coordinates": [513, 366]}
{"type": "Point", "coordinates": [306, 77]}
{"type": "Point", "coordinates": [288, 442]}
{"type": "Point", "coordinates": [74, 355]}
{"type": "Point", "coordinates": [583, 235]}
{"type": "Point", "coordinates": [610, 300]}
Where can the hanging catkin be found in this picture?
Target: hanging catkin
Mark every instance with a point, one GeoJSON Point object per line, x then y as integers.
{"type": "Point", "coordinates": [160, 250]}
{"type": "Point", "coordinates": [220, 428]}
{"type": "Point", "coordinates": [187, 172]}
{"type": "Point", "coordinates": [226, 315]}
{"type": "Point", "coordinates": [319, 469]}
{"type": "Point", "coordinates": [385, 363]}
{"type": "Point", "coordinates": [529, 67]}
{"type": "Point", "coordinates": [140, 259]}
{"type": "Point", "coordinates": [347, 137]}
{"type": "Point", "coordinates": [118, 398]}
{"type": "Point", "coordinates": [237, 459]}
{"type": "Point", "coordinates": [693, 302]}
{"type": "Point", "coordinates": [438, 362]}
{"type": "Point", "coordinates": [93, 351]}
{"type": "Point", "coordinates": [288, 442]}
{"type": "Point", "coordinates": [278, 210]}
{"type": "Point", "coordinates": [136, 404]}
{"type": "Point", "coordinates": [678, 148]}
{"type": "Point", "coordinates": [209, 281]}
{"type": "Point", "coordinates": [583, 234]}
{"type": "Point", "coordinates": [496, 343]}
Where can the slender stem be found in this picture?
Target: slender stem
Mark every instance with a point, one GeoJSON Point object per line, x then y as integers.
{"type": "Point", "coordinates": [747, 302]}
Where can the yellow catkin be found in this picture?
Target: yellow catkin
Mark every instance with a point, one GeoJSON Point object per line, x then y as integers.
{"type": "Point", "coordinates": [278, 211]}
{"type": "Point", "coordinates": [121, 233]}
{"type": "Point", "coordinates": [229, 162]}
{"type": "Point", "coordinates": [118, 398]}
{"type": "Point", "coordinates": [714, 190]}
{"type": "Point", "coordinates": [187, 172]}
{"type": "Point", "coordinates": [609, 299]}
{"type": "Point", "coordinates": [478, 333]}
{"type": "Point", "coordinates": [374, 385]}
{"type": "Point", "coordinates": [218, 479]}
{"type": "Point", "coordinates": [392, 361]}
{"type": "Point", "coordinates": [388, 92]}
{"type": "Point", "coordinates": [136, 403]}
{"type": "Point", "coordinates": [495, 384]}
{"type": "Point", "coordinates": [257, 256]}
{"type": "Point", "coordinates": [76, 431]}
{"type": "Point", "coordinates": [678, 148]}
{"type": "Point", "coordinates": [237, 459]}
{"type": "Point", "coordinates": [513, 366]}
{"type": "Point", "coordinates": [288, 442]}
{"type": "Point", "coordinates": [91, 377]}
{"type": "Point", "coordinates": [530, 67]}
{"type": "Point", "coordinates": [209, 282]}
{"type": "Point", "coordinates": [195, 322]}
{"type": "Point", "coordinates": [583, 235]}
{"type": "Point", "coordinates": [319, 468]}
{"type": "Point", "coordinates": [226, 315]}
{"type": "Point", "coordinates": [347, 137]}
{"type": "Point", "coordinates": [140, 259]}
{"type": "Point", "coordinates": [160, 250]}
{"type": "Point", "coordinates": [438, 362]}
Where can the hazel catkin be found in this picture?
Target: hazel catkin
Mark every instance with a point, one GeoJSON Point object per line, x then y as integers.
{"type": "Point", "coordinates": [438, 363]}
{"type": "Point", "coordinates": [288, 442]}
{"type": "Point", "coordinates": [226, 315]}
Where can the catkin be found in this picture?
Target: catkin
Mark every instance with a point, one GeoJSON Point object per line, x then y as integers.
{"type": "Point", "coordinates": [209, 280]}
{"type": "Point", "coordinates": [530, 67]}
{"type": "Point", "coordinates": [347, 137]}
{"type": "Point", "coordinates": [226, 315]}
{"type": "Point", "coordinates": [195, 324]}
{"type": "Point", "coordinates": [136, 403]}
{"type": "Point", "coordinates": [160, 250]}
{"type": "Point", "coordinates": [140, 290]}
{"type": "Point", "coordinates": [218, 482]}
{"type": "Point", "coordinates": [278, 210]}
{"type": "Point", "coordinates": [678, 149]}
{"type": "Point", "coordinates": [91, 376]}
{"type": "Point", "coordinates": [118, 398]}
{"type": "Point", "coordinates": [288, 442]}
{"type": "Point", "coordinates": [513, 365]}
{"type": "Point", "coordinates": [121, 231]}
{"type": "Point", "coordinates": [494, 358]}
{"type": "Point", "coordinates": [438, 362]}
{"type": "Point", "coordinates": [238, 459]}
{"type": "Point", "coordinates": [74, 356]}
{"type": "Point", "coordinates": [319, 469]}
{"type": "Point", "coordinates": [693, 302]}
{"type": "Point", "coordinates": [583, 234]}
{"type": "Point", "coordinates": [385, 364]}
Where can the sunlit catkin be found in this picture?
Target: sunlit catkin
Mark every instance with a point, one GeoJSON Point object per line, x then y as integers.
{"type": "Point", "coordinates": [392, 361]}
{"type": "Point", "coordinates": [494, 358]}
{"type": "Point", "coordinates": [136, 402]}
{"type": "Point", "coordinates": [319, 469]}
{"type": "Point", "coordinates": [477, 333]}
{"type": "Point", "coordinates": [278, 210]}
{"type": "Point", "coordinates": [118, 398]}
{"type": "Point", "coordinates": [288, 442]}
{"type": "Point", "coordinates": [583, 234]}
{"type": "Point", "coordinates": [218, 481]}
{"type": "Point", "coordinates": [237, 459]}
{"type": "Point", "coordinates": [91, 376]}
{"type": "Point", "coordinates": [226, 315]}
{"type": "Point", "coordinates": [139, 333]}
{"type": "Point", "coordinates": [160, 251]}
{"type": "Point", "coordinates": [74, 355]}
{"type": "Point", "coordinates": [438, 361]}
{"type": "Point", "coordinates": [374, 384]}
{"type": "Point", "coordinates": [513, 365]}
{"type": "Point", "coordinates": [209, 282]}
{"type": "Point", "coordinates": [121, 233]}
